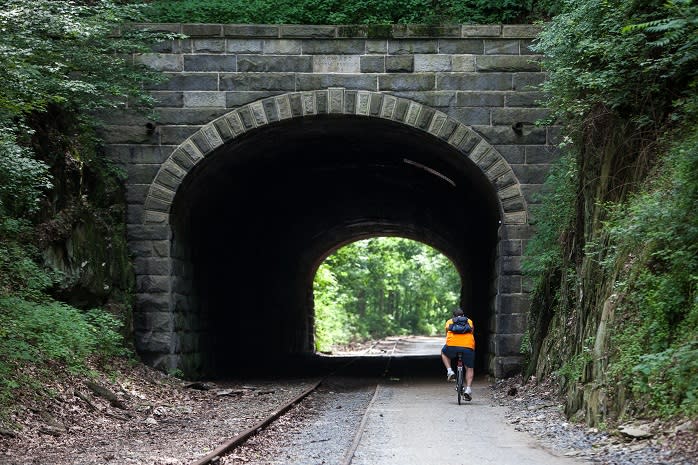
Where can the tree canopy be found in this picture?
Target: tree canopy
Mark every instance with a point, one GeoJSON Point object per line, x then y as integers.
{"type": "Point", "coordinates": [60, 63]}
{"type": "Point", "coordinates": [350, 11]}
{"type": "Point", "coordinates": [383, 286]}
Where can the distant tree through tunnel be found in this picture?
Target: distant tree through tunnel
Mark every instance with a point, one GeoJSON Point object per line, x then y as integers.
{"type": "Point", "coordinates": [382, 286]}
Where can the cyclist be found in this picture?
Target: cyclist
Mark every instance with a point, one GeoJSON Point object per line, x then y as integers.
{"type": "Point", "coordinates": [459, 338]}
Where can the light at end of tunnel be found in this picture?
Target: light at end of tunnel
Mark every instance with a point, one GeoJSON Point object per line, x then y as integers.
{"type": "Point", "coordinates": [430, 170]}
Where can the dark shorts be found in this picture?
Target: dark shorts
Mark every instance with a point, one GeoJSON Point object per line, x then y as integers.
{"type": "Point", "coordinates": [468, 354]}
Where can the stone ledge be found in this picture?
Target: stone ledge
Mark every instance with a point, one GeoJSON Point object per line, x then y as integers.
{"type": "Point", "coordinates": [360, 31]}
{"type": "Point", "coordinates": [521, 31]}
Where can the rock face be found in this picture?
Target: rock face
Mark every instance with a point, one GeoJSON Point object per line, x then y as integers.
{"type": "Point", "coordinates": [577, 306]}
{"type": "Point", "coordinates": [82, 234]}
{"type": "Point", "coordinates": [90, 256]}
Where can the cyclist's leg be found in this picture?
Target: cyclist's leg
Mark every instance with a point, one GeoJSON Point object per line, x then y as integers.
{"type": "Point", "coordinates": [469, 374]}
{"type": "Point", "coordinates": [469, 362]}
{"type": "Point", "coordinates": [446, 359]}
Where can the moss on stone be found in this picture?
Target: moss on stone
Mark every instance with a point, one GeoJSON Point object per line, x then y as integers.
{"type": "Point", "coordinates": [379, 31]}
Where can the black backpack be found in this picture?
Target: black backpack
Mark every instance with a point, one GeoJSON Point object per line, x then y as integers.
{"type": "Point", "coordinates": [460, 325]}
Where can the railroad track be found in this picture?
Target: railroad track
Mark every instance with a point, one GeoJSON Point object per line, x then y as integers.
{"type": "Point", "coordinates": [228, 446]}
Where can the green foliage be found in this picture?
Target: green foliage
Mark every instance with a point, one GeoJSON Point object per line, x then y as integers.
{"type": "Point", "coordinates": [64, 53]}
{"type": "Point", "coordinates": [63, 57]}
{"type": "Point", "coordinates": [23, 179]}
{"type": "Point", "coordinates": [500, 11]}
{"type": "Point", "coordinates": [656, 232]}
{"type": "Point", "coordinates": [349, 11]}
{"type": "Point", "coordinates": [53, 331]}
{"type": "Point", "coordinates": [669, 379]}
{"type": "Point", "coordinates": [380, 287]}
{"type": "Point", "coordinates": [19, 272]}
{"type": "Point", "coordinates": [591, 61]}
{"type": "Point", "coordinates": [678, 29]}
{"type": "Point", "coordinates": [622, 76]}
{"type": "Point", "coordinates": [176, 373]}
{"type": "Point", "coordinates": [573, 369]}
{"type": "Point", "coordinates": [107, 333]}
{"type": "Point", "coordinates": [60, 63]}
{"type": "Point", "coordinates": [49, 332]}
{"type": "Point", "coordinates": [36, 330]}
{"type": "Point", "coordinates": [332, 322]}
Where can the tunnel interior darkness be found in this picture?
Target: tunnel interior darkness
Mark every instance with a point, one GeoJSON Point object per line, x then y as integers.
{"type": "Point", "coordinates": [255, 219]}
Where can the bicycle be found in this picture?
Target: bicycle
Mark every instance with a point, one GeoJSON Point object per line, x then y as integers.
{"type": "Point", "coordinates": [459, 376]}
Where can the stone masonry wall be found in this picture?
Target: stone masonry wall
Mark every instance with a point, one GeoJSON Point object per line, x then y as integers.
{"type": "Point", "coordinates": [483, 77]}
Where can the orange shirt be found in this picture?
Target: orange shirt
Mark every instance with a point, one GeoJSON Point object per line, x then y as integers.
{"type": "Point", "coordinates": [460, 339]}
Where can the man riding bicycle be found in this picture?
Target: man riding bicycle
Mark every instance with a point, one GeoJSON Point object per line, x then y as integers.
{"type": "Point", "coordinates": [459, 338]}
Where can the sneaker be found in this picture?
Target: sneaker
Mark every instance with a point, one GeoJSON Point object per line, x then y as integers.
{"type": "Point", "coordinates": [467, 396]}
{"type": "Point", "coordinates": [450, 375]}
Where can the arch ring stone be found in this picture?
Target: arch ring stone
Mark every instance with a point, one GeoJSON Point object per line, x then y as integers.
{"type": "Point", "coordinates": [333, 101]}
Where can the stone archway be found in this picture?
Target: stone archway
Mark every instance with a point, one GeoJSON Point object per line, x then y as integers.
{"type": "Point", "coordinates": [167, 337]}
{"type": "Point", "coordinates": [341, 102]}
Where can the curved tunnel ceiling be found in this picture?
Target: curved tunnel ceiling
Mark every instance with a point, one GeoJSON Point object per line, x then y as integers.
{"type": "Point", "coordinates": [260, 214]}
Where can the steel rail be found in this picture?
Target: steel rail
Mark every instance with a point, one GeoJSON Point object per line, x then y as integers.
{"type": "Point", "coordinates": [244, 436]}
{"type": "Point", "coordinates": [248, 433]}
{"type": "Point", "coordinates": [349, 456]}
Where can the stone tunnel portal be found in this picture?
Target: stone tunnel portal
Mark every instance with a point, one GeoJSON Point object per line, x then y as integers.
{"type": "Point", "coordinates": [253, 221]}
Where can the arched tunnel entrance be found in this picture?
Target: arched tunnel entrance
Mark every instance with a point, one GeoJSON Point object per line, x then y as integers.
{"type": "Point", "coordinates": [252, 222]}
{"type": "Point", "coordinates": [380, 289]}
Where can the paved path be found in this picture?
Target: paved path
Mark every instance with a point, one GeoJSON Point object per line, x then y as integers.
{"type": "Point", "coordinates": [419, 346]}
{"type": "Point", "coordinates": [417, 422]}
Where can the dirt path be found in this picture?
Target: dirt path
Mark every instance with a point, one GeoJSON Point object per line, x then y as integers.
{"type": "Point", "coordinates": [164, 422]}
